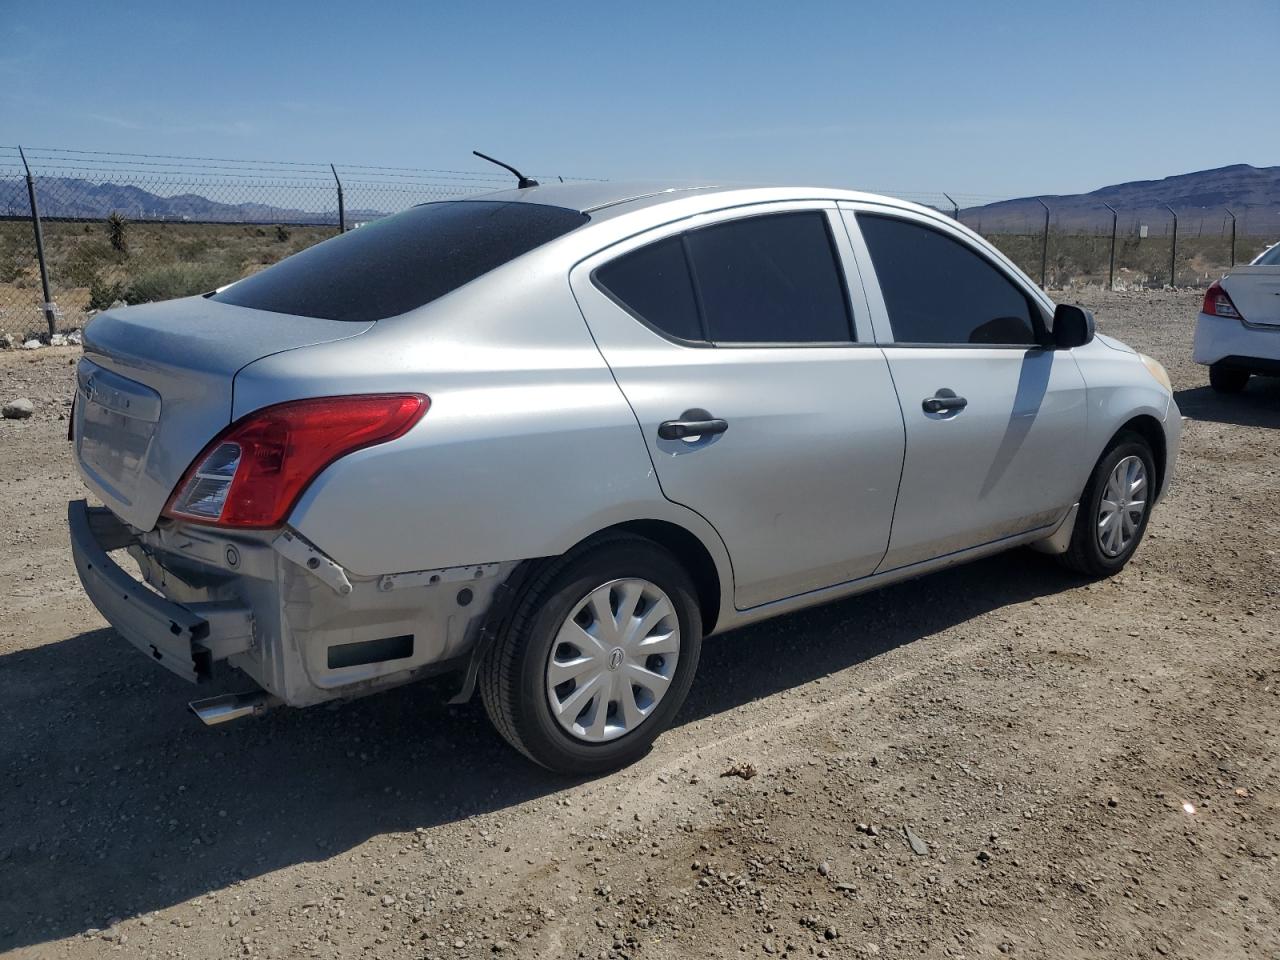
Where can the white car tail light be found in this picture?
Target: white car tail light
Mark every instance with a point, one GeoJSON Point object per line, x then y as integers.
{"type": "Point", "coordinates": [1217, 303]}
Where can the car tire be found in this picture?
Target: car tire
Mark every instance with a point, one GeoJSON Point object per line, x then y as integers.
{"type": "Point", "coordinates": [1089, 552]}
{"type": "Point", "coordinates": [1227, 379]}
{"type": "Point", "coordinates": [515, 675]}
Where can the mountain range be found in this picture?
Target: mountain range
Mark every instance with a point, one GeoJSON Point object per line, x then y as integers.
{"type": "Point", "coordinates": [74, 198]}
{"type": "Point", "coordinates": [1240, 187]}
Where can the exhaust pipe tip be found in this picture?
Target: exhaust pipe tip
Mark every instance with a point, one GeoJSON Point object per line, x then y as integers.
{"type": "Point", "coordinates": [232, 706]}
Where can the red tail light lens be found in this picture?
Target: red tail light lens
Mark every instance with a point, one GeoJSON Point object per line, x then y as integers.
{"type": "Point", "coordinates": [252, 474]}
{"type": "Point", "coordinates": [1217, 303]}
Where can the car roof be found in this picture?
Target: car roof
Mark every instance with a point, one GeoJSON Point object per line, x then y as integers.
{"type": "Point", "coordinates": [607, 198]}
{"type": "Point", "coordinates": [588, 196]}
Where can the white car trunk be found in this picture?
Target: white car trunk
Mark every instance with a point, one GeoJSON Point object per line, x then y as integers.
{"type": "Point", "coordinates": [1255, 290]}
{"type": "Point", "coordinates": [156, 386]}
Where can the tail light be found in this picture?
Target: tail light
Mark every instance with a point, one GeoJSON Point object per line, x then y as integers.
{"type": "Point", "coordinates": [1217, 303]}
{"type": "Point", "coordinates": [251, 474]}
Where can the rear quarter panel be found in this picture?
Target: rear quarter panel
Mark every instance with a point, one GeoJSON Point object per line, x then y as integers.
{"type": "Point", "coordinates": [528, 446]}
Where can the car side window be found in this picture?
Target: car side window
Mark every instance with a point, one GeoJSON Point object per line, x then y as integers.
{"type": "Point", "coordinates": [653, 282]}
{"type": "Point", "coordinates": [939, 290]}
{"type": "Point", "coordinates": [770, 279]}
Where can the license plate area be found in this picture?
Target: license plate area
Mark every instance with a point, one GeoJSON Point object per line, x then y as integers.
{"type": "Point", "coordinates": [115, 420]}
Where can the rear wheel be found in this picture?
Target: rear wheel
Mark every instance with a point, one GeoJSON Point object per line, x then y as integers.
{"type": "Point", "coordinates": [596, 658]}
{"type": "Point", "coordinates": [1227, 379]}
{"type": "Point", "coordinates": [1114, 509]}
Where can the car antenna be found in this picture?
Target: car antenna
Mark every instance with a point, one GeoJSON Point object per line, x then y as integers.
{"type": "Point", "coordinates": [523, 180]}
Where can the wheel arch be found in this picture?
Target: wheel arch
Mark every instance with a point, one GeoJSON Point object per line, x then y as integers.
{"type": "Point", "coordinates": [692, 554]}
{"type": "Point", "coordinates": [1152, 431]}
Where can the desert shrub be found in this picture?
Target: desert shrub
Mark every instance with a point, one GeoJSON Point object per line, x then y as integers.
{"type": "Point", "coordinates": [81, 267]}
{"type": "Point", "coordinates": [118, 232]}
{"type": "Point", "coordinates": [103, 293]}
{"type": "Point", "coordinates": [175, 280]}
{"type": "Point", "coordinates": [282, 235]}
{"type": "Point", "coordinates": [192, 248]}
{"type": "Point", "coordinates": [79, 271]}
{"type": "Point", "coordinates": [10, 268]}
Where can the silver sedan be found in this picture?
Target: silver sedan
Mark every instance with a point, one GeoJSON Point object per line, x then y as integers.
{"type": "Point", "coordinates": [546, 440]}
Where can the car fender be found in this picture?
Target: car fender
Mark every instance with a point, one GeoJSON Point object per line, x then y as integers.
{"type": "Point", "coordinates": [1119, 388]}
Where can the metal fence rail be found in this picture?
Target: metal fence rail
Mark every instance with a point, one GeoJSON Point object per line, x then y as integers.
{"type": "Point", "coordinates": [80, 230]}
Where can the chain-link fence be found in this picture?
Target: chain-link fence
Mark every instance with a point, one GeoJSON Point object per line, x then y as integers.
{"type": "Point", "coordinates": [1065, 241]}
{"type": "Point", "coordinates": [140, 228]}
{"type": "Point", "coordinates": [137, 227]}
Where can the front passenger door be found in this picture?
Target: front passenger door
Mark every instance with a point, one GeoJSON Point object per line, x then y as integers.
{"type": "Point", "coordinates": [993, 417]}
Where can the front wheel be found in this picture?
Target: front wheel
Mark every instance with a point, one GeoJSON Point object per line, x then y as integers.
{"type": "Point", "coordinates": [1114, 509]}
{"type": "Point", "coordinates": [1227, 379]}
{"type": "Point", "coordinates": [596, 658]}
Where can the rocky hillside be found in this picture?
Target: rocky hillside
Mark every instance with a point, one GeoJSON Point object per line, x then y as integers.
{"type": "Point", "coordinates": [1252, 192]}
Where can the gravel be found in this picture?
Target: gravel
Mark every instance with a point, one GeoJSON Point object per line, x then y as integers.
{"type": "Point", "coordinates": [996, 708]}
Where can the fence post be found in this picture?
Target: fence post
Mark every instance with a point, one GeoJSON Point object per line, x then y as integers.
{"type": "Point", "coordinates": [1111, 271]}
{"type": "Point", "coordinates": [1044, 244]}
{"type": "Point", "coordinates": [955, 207]}
{"type": "Point", "coordinates": [342, 209]}
{"type": "Point", "coordinates": [49, 316]}
{"type": "Point", "coordinates": [1173, 248]}
{"type": "Point", "coordinates": [1233, 235]}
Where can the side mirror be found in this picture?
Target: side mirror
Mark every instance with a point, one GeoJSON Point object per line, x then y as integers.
{"type": "Point", "coordinates": [1072, 326]}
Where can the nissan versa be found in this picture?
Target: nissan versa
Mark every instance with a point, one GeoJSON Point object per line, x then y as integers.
{"type": "Point", "coordinates": [548, 439]}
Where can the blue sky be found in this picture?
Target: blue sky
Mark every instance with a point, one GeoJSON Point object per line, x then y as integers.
{"type": "Point", "coordinates": [990, 99]}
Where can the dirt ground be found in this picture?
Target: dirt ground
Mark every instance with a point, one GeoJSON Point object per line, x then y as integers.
{"type": "Point", "coordinates": [1087, 770]}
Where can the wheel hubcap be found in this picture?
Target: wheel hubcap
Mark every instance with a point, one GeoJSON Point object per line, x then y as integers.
{"type": "Point", "coordinates": [613, 660]}
{"type": "Point", "coordinates": [1124, 501]}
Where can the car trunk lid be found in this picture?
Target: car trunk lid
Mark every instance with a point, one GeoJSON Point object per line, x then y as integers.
{"type": "Point", "coordinates": [1255, 290]}
{"type": "Point", "coordinates": [156, 385]}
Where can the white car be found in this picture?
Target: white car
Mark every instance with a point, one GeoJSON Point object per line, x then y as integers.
{"type": "Point", "coordinates": [1238, 330]}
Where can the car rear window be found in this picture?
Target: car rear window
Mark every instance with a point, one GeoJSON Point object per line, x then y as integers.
{"type": "Point", "coordinates": [654, 283]}
{"type": "Point", "coordinates": [398, 263]}
{"type": "Point", "coordinates": [1269, 258]}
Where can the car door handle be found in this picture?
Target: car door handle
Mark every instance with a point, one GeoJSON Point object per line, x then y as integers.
{"type": "Point", "coordinates": [692, 423]}
{"type": "Point", "coordinates": [941, 404]}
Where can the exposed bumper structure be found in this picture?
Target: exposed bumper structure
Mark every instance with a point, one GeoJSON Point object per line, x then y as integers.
{"type": "Point", "coordinates": [277, 609]}
{"type": "Point", "coordinates": [185, 639]}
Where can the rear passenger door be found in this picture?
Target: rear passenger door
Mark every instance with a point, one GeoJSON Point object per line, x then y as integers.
{"type": "Point", "coordinates": [993, 417]}
{"type": "Point", "coordinates": [739, 327]}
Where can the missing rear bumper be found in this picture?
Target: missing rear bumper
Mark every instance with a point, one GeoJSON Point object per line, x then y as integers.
{"type": "Point", "coordinates": [184, 639]}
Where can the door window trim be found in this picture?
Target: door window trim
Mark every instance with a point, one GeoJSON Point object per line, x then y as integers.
{"type": "Point", "coordinates": [715, 218]}
{"type": "Point", "coordinates": [1033, 295]}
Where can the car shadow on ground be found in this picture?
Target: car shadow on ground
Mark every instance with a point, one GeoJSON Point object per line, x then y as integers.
{"type": "Point", "coordinates": [116, 802]}
{"type": "Point", "coordinates": [1257, 406]}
